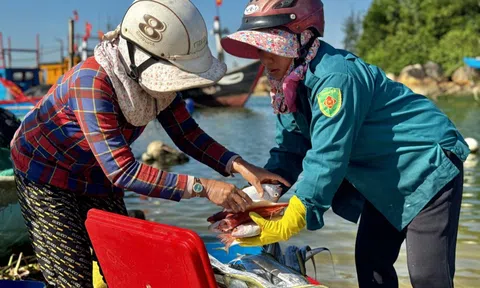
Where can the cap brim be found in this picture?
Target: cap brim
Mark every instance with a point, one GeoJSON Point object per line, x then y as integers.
{"type": "Point", "coordinates": [240, 49]}
{"type": "Point", "coordinates": [245, 44]}
{"type": "Point", "coordinates": [164, 76]}
{"type": "Point", "coordinates": [200, 64]}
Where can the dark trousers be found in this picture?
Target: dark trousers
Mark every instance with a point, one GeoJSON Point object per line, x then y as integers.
{"type": "Point", "coordinates": [431, 241]}
{"type": "Point", "coordinates": [55, 221]}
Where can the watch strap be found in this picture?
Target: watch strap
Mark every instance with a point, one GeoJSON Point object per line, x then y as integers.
{"type": "Point", "coordinates": [198, 184]}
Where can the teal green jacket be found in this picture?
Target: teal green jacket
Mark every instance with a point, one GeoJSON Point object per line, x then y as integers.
{"type": "Point", "coordinates": [354, 123]}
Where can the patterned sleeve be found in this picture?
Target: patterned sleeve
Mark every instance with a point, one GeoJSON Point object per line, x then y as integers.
{"type": "Point", "coordinates": [192, 140]}
{"type": "Point", "coordinates": [98, 118]}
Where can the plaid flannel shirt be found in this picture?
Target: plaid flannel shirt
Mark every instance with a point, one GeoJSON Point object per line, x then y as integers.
{"type": "Point", "coordinates": [77, 139]}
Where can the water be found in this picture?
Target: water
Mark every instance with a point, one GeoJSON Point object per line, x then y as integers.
{"type": "Point", "coordinates": [250, 132]}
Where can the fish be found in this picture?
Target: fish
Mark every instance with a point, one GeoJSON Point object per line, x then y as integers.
{"type": "Point", "coordinates": [271, 193]}
{"type": "Point", "coordinates": [225, 222]}
{"type": "Point", "coordinates": [231, 277]}
{"type": "Point", "coordinates": [274, 271]}
{"type": "Point", "coordinates": [242, 231]}
{"type": "Point", "coordinates": [231, 226]}
{"type": "Point", "coordinates": [249, 229]}
{"type": "Point", "coordinates": [230, 230]}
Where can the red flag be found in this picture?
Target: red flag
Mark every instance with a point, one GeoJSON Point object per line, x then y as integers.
{"type": "Point", "coordinates": [219, 2]}
{"type": "Point", "coordinates": [75, 15]}
{"type": "Point", "coordinates": [88, 30]}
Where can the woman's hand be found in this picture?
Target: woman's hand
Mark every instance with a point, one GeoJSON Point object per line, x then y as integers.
{"type": "Point", "coordinates": [225, 195]}
{"type": "Point", "coordinates": [256, 176]}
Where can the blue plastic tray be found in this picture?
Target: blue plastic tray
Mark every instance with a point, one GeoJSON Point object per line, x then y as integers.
{"type": "Point", "coordinates": [234, 251]}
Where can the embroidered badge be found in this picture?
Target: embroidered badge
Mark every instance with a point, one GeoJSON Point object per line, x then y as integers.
{"type": "Point", "coordinates": [330, 101]}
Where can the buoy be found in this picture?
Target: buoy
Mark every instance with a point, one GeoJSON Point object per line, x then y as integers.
{"type": "Point", "coordinates": [472, 144]}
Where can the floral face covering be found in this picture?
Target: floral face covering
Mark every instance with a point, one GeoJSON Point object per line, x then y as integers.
{"type": "Point", "coordinates": [283, 92]}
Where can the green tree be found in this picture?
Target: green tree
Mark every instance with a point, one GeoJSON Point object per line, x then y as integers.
{"type": "Point", "coordinates": [379, 22]}
{"type": "Point", "coordinates": [397, 33]}
{"type": "Point", "coordinates": [455, 45]}
{"type": "Point", "coordinates": [352, 29]}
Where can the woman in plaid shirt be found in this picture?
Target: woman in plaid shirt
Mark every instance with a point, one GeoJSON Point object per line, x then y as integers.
{"type": "Point", "coordinates": [72, 151]}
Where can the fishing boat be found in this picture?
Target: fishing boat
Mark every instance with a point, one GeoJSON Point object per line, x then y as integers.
{"type": "Point", "coordinates": [13, 84]}
{"type": "Point", "coordinates": [472, 62]}
{"type": "Point", "coordinates": [15, 81]}
{"type": "Point", "coordinates": [233, 90]}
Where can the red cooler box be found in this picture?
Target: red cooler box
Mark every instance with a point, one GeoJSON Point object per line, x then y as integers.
{"type": "Point", "coordinates": [138, 253]}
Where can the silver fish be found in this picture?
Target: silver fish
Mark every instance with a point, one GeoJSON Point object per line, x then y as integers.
{"type": "Point", "coordinates": [246, 230]}
{"type": "Point", "coordinates": [242, 231]}
{"type": "Point", "coordinates": [272, 192]}
{"type": "Point", "coordinates": [229, 274]}
{"type": "Point", "coordinates": [279, 274]}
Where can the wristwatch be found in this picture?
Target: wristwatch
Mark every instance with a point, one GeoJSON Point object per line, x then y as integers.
{"type": "Point", "coordinates": [197, 187]}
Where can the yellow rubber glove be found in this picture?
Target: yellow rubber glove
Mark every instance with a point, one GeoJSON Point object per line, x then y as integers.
{"type": "Point", "coordinates": [98, 281]}
{"type": "Point", "coordinates": [292, 222]}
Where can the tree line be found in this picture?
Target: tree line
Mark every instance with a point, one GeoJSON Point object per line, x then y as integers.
{"type": "Point", "coordinates": [396, 33]}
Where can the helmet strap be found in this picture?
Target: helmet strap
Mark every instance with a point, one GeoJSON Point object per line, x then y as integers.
{"type": "Point", "coordinates": [303, 52]}
{"type": "Point", "coordinates": [136, 71]}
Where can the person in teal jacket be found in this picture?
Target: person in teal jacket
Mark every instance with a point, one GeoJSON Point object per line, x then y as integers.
{"type": "Point", "coordinates": [358, 142]}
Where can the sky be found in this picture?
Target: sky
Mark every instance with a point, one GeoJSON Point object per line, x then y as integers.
{"type": "Point", "coordinates": [22, 20]}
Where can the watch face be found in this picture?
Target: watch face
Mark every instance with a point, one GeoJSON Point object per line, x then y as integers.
{"type": "Point", "coordinates": [197, 188]}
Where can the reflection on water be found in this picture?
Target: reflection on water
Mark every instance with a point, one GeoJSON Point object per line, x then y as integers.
{"type": "Point", "coordinates": [250, 132]}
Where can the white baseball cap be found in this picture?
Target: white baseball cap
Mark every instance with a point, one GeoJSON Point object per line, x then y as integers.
{"type": "Point", "coordinates": [167, 43]}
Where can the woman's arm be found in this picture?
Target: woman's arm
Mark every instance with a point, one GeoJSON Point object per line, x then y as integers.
{"type": "Point", "coordinates": [192, 140]}
{"type": "Point", "coordinates": [98, 117]}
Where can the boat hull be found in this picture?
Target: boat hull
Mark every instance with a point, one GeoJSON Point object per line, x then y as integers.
{"type": "Point", "coordinates": [472, 62]}
{"type": "Point", "coordinates": [238, 100]}
{"type": "Point", "coordinates": [233, 90]}
{"type": "Point", "coordinates": [20, 109]}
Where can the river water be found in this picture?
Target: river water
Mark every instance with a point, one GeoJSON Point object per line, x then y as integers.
{"type": "Point", "coordinates": [250, 132]}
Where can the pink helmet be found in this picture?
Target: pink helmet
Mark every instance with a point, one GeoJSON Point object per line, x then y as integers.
{"type": "Point", "coordinates": [295, 15]}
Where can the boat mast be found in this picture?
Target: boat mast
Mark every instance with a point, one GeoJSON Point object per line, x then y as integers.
{"type": "Point", "coordinates": [6, 53]}
{"type": "Point", "coordinates": [2, 52]}
{"type": "Point", "coordinates": [217, 31]}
